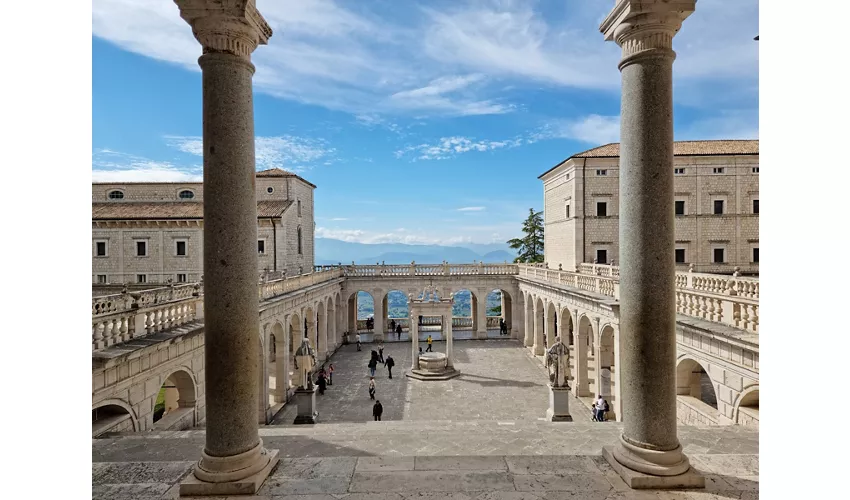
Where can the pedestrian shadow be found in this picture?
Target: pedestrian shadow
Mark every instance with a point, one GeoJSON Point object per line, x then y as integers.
{"type": "Point", "coordinates": [496, 382]}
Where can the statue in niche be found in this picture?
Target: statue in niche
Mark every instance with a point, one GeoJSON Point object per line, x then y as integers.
{"type": "Point", "coordinates": [305, 361]}
{"type": "Point", "coordinates": [558, 363]}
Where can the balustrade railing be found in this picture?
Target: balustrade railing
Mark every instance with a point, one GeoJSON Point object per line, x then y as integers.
{"type": "Point", "coordinates": [275, 288]}
{"type": "Point", "coordinates": [731, 300]}
{"type": "Point", "coordinates": [413, 269]}
{"type": "Point", "coordinates": [457, 322]}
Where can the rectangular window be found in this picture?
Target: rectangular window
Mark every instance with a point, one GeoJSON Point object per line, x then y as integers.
{"type": "Point", "coordinates": [680, 207]}
{"type": "Point", "coordinates": [718, 256]}
{"type": "Point", "coordinates": [101, 279]}
{"type": "Point", "coordinates": [718, 207]}
{"type": "Point", "coordinates": [756, 255]}
{"type": "Point", "coordinates": [602, 256]}
{"type": "Point", "coordinates": [755, 170]}
{"type": "Point", "coordinates": [101, 248]}
{"type": "Point", "coordinates": [181, 278]}
{"type": "Point", "coordinates": [181, 248]}
{"type": "Point", "coordinates": [678, 171]}
{"type": "Point", "coordinates": [299, 208]}
{"type": "Point", "coordinates": [602, 209]}
{"type": "Point", "coordinates": [568, 210]}
{"type": "Point", "coordinates": [141, 250]}
{"type": "Point", "coordinates": [755, 206]}
{"type": "Point", "coordinates": [680, 256]}
{"type": "Point", "coordinates": [141, 278]}
{"type": "Point", "coordinates": [261, 246]}
{"type": "Point", "coordinates": [718, 170]}
{"type": "Point", "coordinates": [601, 172]}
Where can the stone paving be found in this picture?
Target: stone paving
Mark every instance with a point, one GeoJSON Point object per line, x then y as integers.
{"type": "Point", "coordinates": [499, 381]}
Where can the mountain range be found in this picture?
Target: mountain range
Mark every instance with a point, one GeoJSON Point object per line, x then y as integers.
{"type": "Point", "coordinates": [331, 251]}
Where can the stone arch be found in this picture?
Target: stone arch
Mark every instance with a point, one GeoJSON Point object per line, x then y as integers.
{"type": "Point", "coordinates": [359, 303]}
{"type": "Point", "coordinates": [180, 389]}
{"type": "Point", "coordinates": [278, 383]}
{"type": "Point", "coordinates": [309, 324]}
{"type": "Point", "coordinates": [568, 324]}
{"type": "Point", "coordinates": [581, 347]}
{"type": "Point", "coordinates": [606, 369]}
{"type": "Point", "coordinates": [748, 400]}
{"type": "Point", "coordinates": [113, 415]}
{"type": "Point", "coordinates": [296, 334]}
{"type": "Point", "coordinates": [397, 309]}
{"type": "Point", "coordinates": [692, 379]}
{"type": "Point", "coordinates": [505, 312]}
{"type": "Point", "coordinates": [551, 325]}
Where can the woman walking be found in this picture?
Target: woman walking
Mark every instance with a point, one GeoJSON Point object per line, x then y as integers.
{"type": "Point", "coordinates": [371, 387]}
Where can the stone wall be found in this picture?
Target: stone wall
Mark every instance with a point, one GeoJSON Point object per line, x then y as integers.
{"type": "Point", "coordinates": [748, 416]}
{"type": "Point", "coordinates": [146, 191]}
{"type": "Point", "coordinates": [692, 411]}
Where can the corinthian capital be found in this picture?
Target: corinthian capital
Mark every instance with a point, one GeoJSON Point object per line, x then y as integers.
{"type": "Point", "coordinates": [230, 26]}
{"type": "Point", "coordinates": [639, 26]}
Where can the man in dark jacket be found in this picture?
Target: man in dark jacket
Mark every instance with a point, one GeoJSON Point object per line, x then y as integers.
{"type": "Point", "coordinates": [377, 410]}
{"type": "Point", "coordinates": [389, 364]}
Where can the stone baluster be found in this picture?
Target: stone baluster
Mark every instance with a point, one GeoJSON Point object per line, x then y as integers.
{"type": "Point", "coordinates": [97, 336]}
{"type": "Point", "coordinates": [649, 445]}
{"type": "Point", "coordinates": [233, 459]}
{"type": "Point", "coordinates": [124, 330]}
{"type": "Point", "coordinates": [109, 332]}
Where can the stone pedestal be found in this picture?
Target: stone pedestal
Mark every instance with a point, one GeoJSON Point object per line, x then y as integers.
{"type": "Point", "coordinates": [559, 404]}
{"type": "Point", "coordinates": [305, 400]}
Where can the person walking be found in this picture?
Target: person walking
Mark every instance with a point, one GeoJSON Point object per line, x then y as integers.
{"type": "Point", "coordinates": [358, 341]}
{"type": "Point", "coordinates": [390, 363]}
{"type": "Point", "coordinates": [377, 410]}
{"type": "Point", "coordinates": [371, 387]}
{"type": "Point", "coordinates": [373, 364]}
{"type": "Point", "coordinates": [503, 327]}
{"type": "Point", "coordinates": [429, 344]}
{"type": "Point", "coordinates": [398, 331]}
{"type": "Point", "coordinates": [381, 352]}
{"type": "Point", "coordinates": [322, 382]}
{"type": "Point", "coordinates": [331, 374]}
{"type": "Point", "coordinates": [392, 325]}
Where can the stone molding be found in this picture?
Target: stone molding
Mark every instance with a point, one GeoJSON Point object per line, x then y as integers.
{"type": "Point", "coordinates": [226, 26]}
{"type": "Point", "coordinates": [645, 28]}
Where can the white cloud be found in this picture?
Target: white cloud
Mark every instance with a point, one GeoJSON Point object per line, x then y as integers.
{"type": "Point", "coordinates": [593, 129]}
{"type": "Point", "coordinates": [398, 236]}
{"type": "Point", "coordinates": [434, 96]}
{"type": "Point", "coordinates": [113, 166]}
{"type": "Point", "coordinates": [471, 209]}
{"type": "Point", "coordinates": [293, 153]}
{"type": "Point", "coordinates": [449, 147]}
{"type": "Point", "coordinates": [339, 218]}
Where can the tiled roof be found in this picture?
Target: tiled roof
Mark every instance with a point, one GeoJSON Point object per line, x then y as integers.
{"type": "Point", "coordinates": [680, 148]}
{"type": "Point", "coordinates": [170, 210]}
{"type": "Point", "coordinates": [274, 172]}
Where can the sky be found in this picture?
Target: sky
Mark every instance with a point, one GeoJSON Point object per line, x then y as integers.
{"type": "Point", "coordinates": [420, 122]}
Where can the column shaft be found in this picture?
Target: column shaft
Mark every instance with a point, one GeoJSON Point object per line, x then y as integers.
{"type": "Point", "coordinates": [449, 343]}
{"type": "Point", "coordinates": [414, 339]}
{"type": "Point", "coordinates": [230, 256]}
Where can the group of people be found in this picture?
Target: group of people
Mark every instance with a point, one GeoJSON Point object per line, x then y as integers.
{"type": "Point", "coordinates": [503, 327]}
{"type": "Point", "coordinates": [395, 327]}
{"type": "Point", "coordinates": [375, 358]}
{"type": "Point", "coordinates": [325, 378]}
{"type": "Point", "coordinates": [600, 408]}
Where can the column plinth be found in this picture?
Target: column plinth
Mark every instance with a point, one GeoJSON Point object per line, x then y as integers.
{"type": "Point", "coordinates": [648, 452]}
{"type": "Point", "coordinates": [233, 460]}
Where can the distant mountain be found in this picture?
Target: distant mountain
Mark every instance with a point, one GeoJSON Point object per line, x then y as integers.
{"type": "Point", "coordinates": [331, 251]}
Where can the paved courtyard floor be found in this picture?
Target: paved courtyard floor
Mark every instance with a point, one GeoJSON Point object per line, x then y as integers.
{"type": "Point", "coordinates": [499, 380]}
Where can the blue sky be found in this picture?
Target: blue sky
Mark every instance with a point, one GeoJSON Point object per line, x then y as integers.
{"type": "Point", "coordinates": [420, 122]}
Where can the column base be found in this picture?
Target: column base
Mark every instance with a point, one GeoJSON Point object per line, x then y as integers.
{"type": "Point", "coordinates": [194, 487]}
{"type": "Point", "coordinates": [559, 405]}
{"type": "Point", "coordinates": [641, 481]}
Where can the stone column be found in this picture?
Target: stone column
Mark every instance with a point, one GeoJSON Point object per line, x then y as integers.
{"type": "Point", "coordinates": [560, 321]}
{"type": "Point", "coordinates": [538, 331]}
{"type": "Point", "coordinates": [378, 315]}
{"type": "Point", "coordinates": [263, 379]}
{"type": "Point", "coordinates": [449, 343]}
{"type": "Point", "coordinates": [580, 385]}
{"type": "Point", "coordinates": [528, 314]}
{"type": "Point", "coordinates": [648, 450]}
{"type": "Point", "coordinates": [332, 340]}
{"type": "Point", "coordinates": [234, 459]}
{"type": "Point", "coordinates": [385, 320]}
{"type": "Point", "coordinates": [414, 338]}
{"type": "Point", "coordinates": [312, 331]}
{"type": "Point", "coordinates": [481, 313]}
{"type": "Point", "coordinates": [322, 335]}
{"type": "Point", "coordinates": [281, 363]}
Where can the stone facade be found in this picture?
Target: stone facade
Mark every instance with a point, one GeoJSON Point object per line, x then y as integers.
{"type": "Point", "coordinates": [579, 228]}
{"type": "Point", "coordinates": [168, 219]}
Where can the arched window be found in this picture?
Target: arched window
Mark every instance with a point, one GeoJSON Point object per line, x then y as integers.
{"type": "Point", "coordinates": [116, 195]}
{"type": "Point", "coordinates": [186, 194]}
{"type": "Point", "coordinates": [299, 241]}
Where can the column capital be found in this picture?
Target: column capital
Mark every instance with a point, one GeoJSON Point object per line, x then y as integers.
{"type": "Point", "coordinates": [229, 26]}
{"type": "Point", "coordinates": [644, 27]}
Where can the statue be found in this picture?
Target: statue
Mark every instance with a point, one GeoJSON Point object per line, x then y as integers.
{"type": "Point", "coordinates": [305, 361]}
{"type": "Point", "coordinates": [558, 359]}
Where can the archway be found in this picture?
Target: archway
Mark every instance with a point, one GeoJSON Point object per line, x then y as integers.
{"type": "Point", "coordinates": [363, 308]}
{"type": "Point", "coordinates": [278, 365]}
{"type": "Point", "coordinates": [528, 334]}
{"type": "Point", "coordinates": [113, 416]}
{"type": "Point", "coordinates": [747, 411]}
{"type": "Point", "coordinates": [606, 369]}
{"type": "Point", "coordinates": [499, 307]}
{"type": "Point", "coordinates": [582, 379]}
{"type": "Point", "coordinates": [463, 311]}
{"type": "Point", "coordinates": [309, 329]}
{"type": "Point", "coordinates": [551, 328]}
{"type": "Point", "coordinates": [397, 310]}
{"type": "Point", "coordinates": [175, 403]}
{"type": "Point", "coordinates": [568, 335]}
{"type": "Point", "coordinates": [692, 380]}
{"type": "Point", "coordinates": [296, 334]}
{"type": "Point", "coordinates": [321, 332]}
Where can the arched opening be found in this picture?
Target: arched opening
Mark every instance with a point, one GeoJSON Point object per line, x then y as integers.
{"type": "Point", "coordinates": [607, 378]}
{"type": "Point", "coordinates": [321, 332]}
{"type": "Point", "coordinates": [398, 311]}
{"type": "Point", "coordinates": [582, 376]}
{"type": "Point", "coordinates": [296, 333]}
{"type": "Point", "coordinates": [175, 403]}
{"type": "Point", "coordinates": [528, 325]}
{"type": "Point", "coordinates": [539, 326]}
{"type": "Point", "coordinates": [363, 307]}
{"type": "Point", "coordinates": [551, 326]}
{"type": "Point", "coordinates": [309, 329]}
{"type": "Point", "coordinates": [277, 365]}
{"type": "Point", "coordinates": [464, 311]}
{"type": "Point", "coordinates": [112, 417]}
{"type": "Point", "coordinates": [692, 380]}
{"type": "Point", "coordinates": [330, 310]}
{"type": "Point", "coordinates": [568, 336]}
{"type": "Point", "coordinates": [499, 309]}
{"type": "Point", "coordinates": [748, 408]}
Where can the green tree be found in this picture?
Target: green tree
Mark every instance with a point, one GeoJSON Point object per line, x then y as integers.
{"type": "Point", "coordinates": [530, 246]}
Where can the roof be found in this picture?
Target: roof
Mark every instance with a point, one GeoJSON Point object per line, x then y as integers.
{"type": "Point", "coordinates": [680, 148]}
{"type": "Point", "coordinates": [271, 172]}
{"type": "Point", "coordinates": [171, 210]}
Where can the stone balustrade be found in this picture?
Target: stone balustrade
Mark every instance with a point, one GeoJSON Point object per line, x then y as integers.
{"type": "Point", "coordinates": [275, 288]}
{"type": "Point", "coordinates": [730, 300]}
{"type": "Point", "coordinates": [119, 318]}
{"type": "Point", "coordinates": [413, 269]}
{"type": "Point", "coordinates": [457, 322]}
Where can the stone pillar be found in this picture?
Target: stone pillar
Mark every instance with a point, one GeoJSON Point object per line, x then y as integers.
{"type": "Point", "coordinates": [580, 384]}
{"type": "Point", "coordinates": [281, 363]}
{"type": "Point", "coordinates": [481, 333]}
{"type": "Point", "coordinates": [414, 338]}
{"type": "Point", "coordinates": [538, 331]}
{"type": "Point", "coordinates": [385, 320]}
{"type": "Point", "coordinates": [263, 379]}
{"type": "Point", "coordinates": [560, 322]}
{"type": "Point", "coordinates": [597, 358]}
{"type": "Point", "coordinates": [529, 320]}
{"type": "Point", "coordinates": [379, 312]}
{"type": "Point", "coordinates": [312, 330]}
{"type": "Point", "coordinates": [473, 304]}
{"type": "Point", "coordinates": [332, 340]}
{"type": "Point", "coordinates": [234, 459]}
{"type": "Point", "coordinates": [447, 320]}
{"type": "Point", "coordinates": [648, 450]}
{"type": "Point", "coordinates": [322, 334]}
